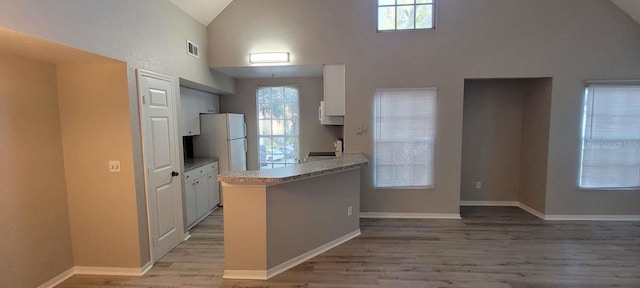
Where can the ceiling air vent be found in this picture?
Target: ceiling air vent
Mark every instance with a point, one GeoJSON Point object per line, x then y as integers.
{"type": "Point", "coordinates": [193, 49]}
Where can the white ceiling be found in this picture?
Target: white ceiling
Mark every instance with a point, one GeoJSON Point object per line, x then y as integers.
{"type": "Point", "coordinates": [632, 7]}
{"type": "Point", "coordinates": [202, 10]}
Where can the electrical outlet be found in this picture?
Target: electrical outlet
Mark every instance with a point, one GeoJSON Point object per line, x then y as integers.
{"type": "Point", "coordinates": [349, 210]}
{"type": "Point", "coordinates": [360, 129]}
{"type": "Point", "coordinates": [114, 166]}
{"type": "Point", "coordinates": [478, 185]}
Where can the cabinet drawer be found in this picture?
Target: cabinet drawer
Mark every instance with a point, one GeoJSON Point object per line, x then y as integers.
{"type": "Point", "coordinates": [197, 172]}
{"type": "Point", "coordinates": [200, 171]}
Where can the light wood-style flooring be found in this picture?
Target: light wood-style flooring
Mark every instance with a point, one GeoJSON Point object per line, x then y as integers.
{"type": "Point", "coordinates": [491, 247]}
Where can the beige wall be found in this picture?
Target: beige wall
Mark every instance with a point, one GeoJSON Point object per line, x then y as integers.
{"type": "Point", "coordinates": [145, 34]}
{"type": "Point", "coordinates": [35, 245]}
{"type": "Point", "coordinates": [473, 39]}
{"type": "Point", "coordinates": [313, 136]}
{"type": "Point", "coordinates": [245, 228]}
{"type": "Point", "coordinates": [535, 143]}
{"type": "Point", "coordinates": [94, 110]}
{"type": "Point", "coordinates": [491, 139]}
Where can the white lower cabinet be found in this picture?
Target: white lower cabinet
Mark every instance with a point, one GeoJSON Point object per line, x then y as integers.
{"type": "Point", "coordinates": [190, 193]}
{"type": "Point", "coordinates": [214, 190]}
{"type": "Point", "coordinates": [201, 193]}
{"type": "Point", "coordinates": [202, 197]}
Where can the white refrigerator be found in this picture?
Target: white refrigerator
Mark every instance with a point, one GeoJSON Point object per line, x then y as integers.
{"type": "Point", "coordinates": [223, 136]}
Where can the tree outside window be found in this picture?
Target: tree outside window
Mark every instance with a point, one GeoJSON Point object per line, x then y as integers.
{"type": "Point", "coordinates": [278, 126]}
{"type": "Point", "coordinates": [405, 15]}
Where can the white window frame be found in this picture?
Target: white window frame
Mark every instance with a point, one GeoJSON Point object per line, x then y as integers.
{"type": "Point", "coordinates": [585, 124]}
{"type": "Point", "coordinates": [433, 139]}
{"type": "Point", "coordinates": [297, 136]}
{"type": "Point", "coordinates": [433, 16]}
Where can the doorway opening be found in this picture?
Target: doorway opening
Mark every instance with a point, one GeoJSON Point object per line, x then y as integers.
{"type": "Point", "coordinates": [505, 142]}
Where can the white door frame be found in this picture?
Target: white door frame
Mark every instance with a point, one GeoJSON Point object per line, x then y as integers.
{"type": "Point", "coordinates": [176, 151]}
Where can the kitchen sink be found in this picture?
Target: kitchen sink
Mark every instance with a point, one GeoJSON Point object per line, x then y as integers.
{"type": "Point", "coordinates": [321, 154]}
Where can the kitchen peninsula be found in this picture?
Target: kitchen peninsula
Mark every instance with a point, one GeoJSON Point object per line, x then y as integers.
{"type": "Point", "coordinates": [278, 218]}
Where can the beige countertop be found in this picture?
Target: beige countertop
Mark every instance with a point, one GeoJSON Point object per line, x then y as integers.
{"type": "Point", "coordinates": [193, 163]}
{"type": "Point", "coordinates": [296, 172]}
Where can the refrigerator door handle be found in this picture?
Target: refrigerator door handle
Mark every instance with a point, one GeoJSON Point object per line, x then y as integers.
{"type": "Point", "coordinates": [245, 145]}
{"type": "Point", "coordinates": [244, 125]}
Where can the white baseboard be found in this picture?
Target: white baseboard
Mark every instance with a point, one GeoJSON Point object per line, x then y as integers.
{"type": "Point", "coordinates": [186, 236]}
{"type": "Point", "coordinates": [489, 203]}
{"type": "Point", "coordinates": [313, 253]}
{"type": "Point", "coordinates": [245, 274]}
{"type": "Point", "coordinates": [146, 267]}
{"type": "Point", "coordinates": [532, 211]}
{"type": "Point", "coordinates": [592, 217]}
{"type": "Point", "coordinates": [58, 279]}
{"type": "Point", "coordinates": [524, 207]}
{"type": "Point", "coordinates": [115, 271]}
{"type": "Point", "coordinates": [410, 215]}
{"type": "Point", "coordinates": [266, 274]}
{"type": "Point", "coordinates": [88, 270]}
{"type": "Point", "coordinates": [553, 217]}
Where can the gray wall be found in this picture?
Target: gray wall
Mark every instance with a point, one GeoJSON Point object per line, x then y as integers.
{"type": "Point", "coordinates": [536, 112]}
{"type": "Point", "coordinates": [506, 140]}
{"type": "Point", "coordinates": [568, 40]}
{"type": "Point", "coordinates": [307, 214]}
{"type": "Point", "coordinates": [313, 136]}
{"type": "Point", "coordinates": [491, 139]}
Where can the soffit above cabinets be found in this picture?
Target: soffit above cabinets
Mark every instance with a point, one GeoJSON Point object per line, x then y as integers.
{"type": "Point", "coordinates": [202, 10]}
{"type": "Point", "coordinates": [631, 7]}
{"type": "Point", "coordinates": [16, 43]}
{"type": "Point", "coordinates": [282, 71]}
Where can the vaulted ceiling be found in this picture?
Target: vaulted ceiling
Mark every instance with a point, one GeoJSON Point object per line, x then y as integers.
{"type": "Point", "coordinates": [206, 10]}
{"type": "Point", "coordinates": [631, 7]}
{"type": "Point", "coordinates": [202, 10]}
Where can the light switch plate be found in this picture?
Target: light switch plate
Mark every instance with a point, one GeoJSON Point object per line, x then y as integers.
{"type": "Point", "coordinates": [114, 166]}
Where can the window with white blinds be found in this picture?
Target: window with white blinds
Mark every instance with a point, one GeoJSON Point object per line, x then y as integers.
{"type": "Point", "coordinates": [405, 134]}
{"type": "Point", "coordinates": [611, 138]}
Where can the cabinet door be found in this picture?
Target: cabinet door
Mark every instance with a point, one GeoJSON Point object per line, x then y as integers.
{"type": "Point", "coordinates": [334, 84]}
{"type": "Point", "coordinates": [202, 197]}
{"type": "Point", "coordinates": [208, 103]}
{"type": "Point", "coordinates": [212, 183]}
{"type": "Point", "coordinates": [190, 200]}
{"type": "Point", "coordinates": [189, 116]}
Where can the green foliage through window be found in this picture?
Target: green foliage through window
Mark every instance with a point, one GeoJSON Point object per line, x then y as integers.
{"type": "Point", "coordinates": [405, 14]}
{"type": "Point", "coordinates": [278, 126]}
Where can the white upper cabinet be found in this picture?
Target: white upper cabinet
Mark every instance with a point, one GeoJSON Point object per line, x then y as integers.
{"type": "Point", "coordinates": [193, 103]}
{"type": "Point", "coordinates": [189, 116]}
{"type": "Point", "coordinates": [334, 76]}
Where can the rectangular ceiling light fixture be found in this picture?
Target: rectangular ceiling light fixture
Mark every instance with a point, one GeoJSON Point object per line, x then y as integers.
{"type": "Point", "coordinates": [274, 57]}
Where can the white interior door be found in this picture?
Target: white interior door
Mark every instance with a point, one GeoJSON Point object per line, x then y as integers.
{"type": "Point", "coordinates": [164, 197]}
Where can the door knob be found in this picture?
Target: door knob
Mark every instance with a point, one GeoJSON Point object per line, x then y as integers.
{"type": "Point", "coordinates": [174, 173]}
